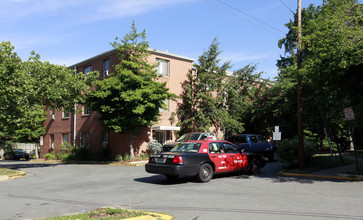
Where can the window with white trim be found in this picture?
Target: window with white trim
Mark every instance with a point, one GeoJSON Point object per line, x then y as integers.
{"type": "Point", "coordinates": [162, 67]}
{"type": "Point", "coordinates": [166, 101]}
{"type": "Point", "coordinates": [106, 68]}
{"type": "Point", "coordinates": [65, 138]}
{"type": "Point", "coordinates": [65, 114]}
{"type": "Point", "coordinates": [52, 141]}
{"type": "Point", "coordinates": [86, 110]}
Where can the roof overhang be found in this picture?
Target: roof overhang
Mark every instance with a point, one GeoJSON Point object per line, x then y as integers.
{"type": "Point", "coordinates": [165, 128]}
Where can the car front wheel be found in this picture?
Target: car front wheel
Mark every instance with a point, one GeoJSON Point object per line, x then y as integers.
{"type": "Point", "coordinates": [205, 173]}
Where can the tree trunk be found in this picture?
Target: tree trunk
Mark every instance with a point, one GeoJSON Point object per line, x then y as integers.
{"type": "Point", "coordinates": [132, 155]}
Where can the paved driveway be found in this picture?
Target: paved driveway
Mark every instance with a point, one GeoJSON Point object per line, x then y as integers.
{"type": "Point", "coordinates": [57, 189]}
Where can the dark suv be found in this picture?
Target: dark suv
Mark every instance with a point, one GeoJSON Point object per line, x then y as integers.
{"type": "Point", "coordinates": [255, 143]}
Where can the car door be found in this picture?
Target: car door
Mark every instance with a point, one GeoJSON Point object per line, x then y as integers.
{"type": "Point", "coordinates": [234, 160]}
{"type": "Point", "coordinates": [218, 157]}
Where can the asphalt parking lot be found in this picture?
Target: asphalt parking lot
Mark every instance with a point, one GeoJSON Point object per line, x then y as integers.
{"type": "Point", "coordinates": [56, 189]}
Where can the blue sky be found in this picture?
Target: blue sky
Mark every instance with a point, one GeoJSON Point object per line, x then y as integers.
{"type": "Point", "coordinates": [65, 32]}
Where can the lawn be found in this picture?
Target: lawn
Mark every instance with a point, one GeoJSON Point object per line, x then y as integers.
{"type": "Point", "coordinates": [8, 172]}
{"type": "Point", "coordinates": [102, 213]}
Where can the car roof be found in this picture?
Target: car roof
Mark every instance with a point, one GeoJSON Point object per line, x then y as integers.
{"type": "Point", "coordinates": [204, 141]}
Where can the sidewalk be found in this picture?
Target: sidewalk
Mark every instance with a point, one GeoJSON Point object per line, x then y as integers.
{"type": "Point", "coordinates": [332, 173]}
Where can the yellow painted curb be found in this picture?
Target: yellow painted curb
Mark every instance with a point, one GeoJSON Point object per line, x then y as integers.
{"type": "Point", "coordinates": [19, 174]}
{"type": "Point", "coordinates": [152, 216]}
{"type": "Point", "coordinates": [320, 176]}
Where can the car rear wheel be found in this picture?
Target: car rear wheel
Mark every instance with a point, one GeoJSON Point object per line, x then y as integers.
{"type": "Point", "coordinates": [205, 173]}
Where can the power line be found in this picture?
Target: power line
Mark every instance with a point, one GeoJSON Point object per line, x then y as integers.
{"type": "Point", "coordinates": [287, 7]}
{"type": "Point", "coordinates": [239, 17]}
{"type": "Point", "coordinates": [250, 16]}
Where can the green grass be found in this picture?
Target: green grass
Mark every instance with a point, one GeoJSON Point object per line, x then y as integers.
{"type": "Point", "coordinates": [8, 172]}
{"type": "Point", "coordinates": [322, 161]}
{"type": "Point", "coordinates": [102, 213]}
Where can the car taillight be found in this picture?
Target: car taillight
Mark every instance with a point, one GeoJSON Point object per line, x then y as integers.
{"type": "Point", "coordinates": [178, 160]}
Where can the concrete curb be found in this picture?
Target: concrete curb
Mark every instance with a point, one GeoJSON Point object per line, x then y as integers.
{"type": "Point", "coordinates": [133, 163]}
{"type": "Point", "coordinates": [351, 178]}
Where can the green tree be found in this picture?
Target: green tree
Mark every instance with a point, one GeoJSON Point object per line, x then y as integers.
{"type": "Point", "coordinates": [131, 98]}
{"type": "Point", "coordinates": [331, 61]}
{"type": "Point", "coordinates": [241, 91]}
{"type": "Point", "coordinates": [203, 100]}
{"type": "Point", "coordinates": [28, 88]}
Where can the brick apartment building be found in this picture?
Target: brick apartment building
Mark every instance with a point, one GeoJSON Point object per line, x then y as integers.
{"type": "Point", "coordinates": [85, 130]}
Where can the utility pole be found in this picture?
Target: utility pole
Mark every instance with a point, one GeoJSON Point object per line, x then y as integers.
{"type": "Point", "coordinates": [299, 92]}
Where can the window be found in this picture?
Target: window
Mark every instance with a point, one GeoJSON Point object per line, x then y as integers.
{"type": "Point", "coordinates": [65, 138]}
{"type": "Point", "coordinates": [87, 69]}
{"type": "Point", "coordinates": [86, 110]}
{"type": "Point", "coordinates": [52, 141]}
{"type": "Point", "coordinates": [85, 139]}
{"type": "Point", "coordinates": [230, 148]}
{"type": "Point", "coordinates": [162, 67]}
{"type": "Point", "coordinates": [215, 148]}
{"type": "Point", "coordinates": [166, 102]}
{"type": "Point", "coordinates": [52, 115]}
{"type": "Point", "coordinates": [65, 114]}
{"type": "Point", "coordinates": [253, 139]}
{"type": "Point", "coordinates": [104, 139]}
{"type": "Point", "coordinates": [106, 68]}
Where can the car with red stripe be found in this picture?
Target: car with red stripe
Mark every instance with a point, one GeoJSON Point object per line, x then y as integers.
{"type": "Point", "coordinates": [202, 159]}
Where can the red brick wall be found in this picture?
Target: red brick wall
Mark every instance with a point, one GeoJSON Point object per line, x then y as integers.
{"type": "Point", "coordinates": [118, 143]}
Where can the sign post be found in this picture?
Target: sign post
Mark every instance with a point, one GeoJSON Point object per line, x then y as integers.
{"type": "Point", "coordinates": [349, 116]}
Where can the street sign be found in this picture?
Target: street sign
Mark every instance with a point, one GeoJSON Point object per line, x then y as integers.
{"type": "Point", "coordinates": [41, 140]}
{"type": "Point", "coordinates": [276, 136]}
{"type": "Point", "coordinates": [349, 114]}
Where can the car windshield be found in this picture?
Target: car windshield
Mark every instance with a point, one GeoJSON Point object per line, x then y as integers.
{"type": "Point", "coordinates": [18, 150]}
{"type": "Point", "coordinates": [186, 147]}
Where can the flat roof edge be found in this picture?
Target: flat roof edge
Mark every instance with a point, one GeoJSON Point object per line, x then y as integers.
{"type": "Point", "coordinates": [152, 51]}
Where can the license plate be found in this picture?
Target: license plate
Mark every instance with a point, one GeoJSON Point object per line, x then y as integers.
{"type": "Point", "coordinates": [160, 160]}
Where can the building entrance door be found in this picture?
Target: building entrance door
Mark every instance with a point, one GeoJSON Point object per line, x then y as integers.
{"type": "Point", "coordinates": [159, 136]}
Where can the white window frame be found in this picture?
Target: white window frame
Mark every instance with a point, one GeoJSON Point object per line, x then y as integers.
{"type": "Point", "coordinates": [51, 141]}
{"type": "Point", "coordinates": [64, 139]}
{"type": "Point", "coordinates": [106, 68]}
{"type": "Point", "coordinates": [86, 110]}
{"type": "Point", "coordinates": [163, 67]}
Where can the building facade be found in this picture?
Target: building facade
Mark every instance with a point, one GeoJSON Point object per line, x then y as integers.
{"type": "Point", "coordinates": [84, 129]}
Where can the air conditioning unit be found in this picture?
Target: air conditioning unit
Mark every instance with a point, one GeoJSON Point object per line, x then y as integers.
{"type": "Point", "coordinates": [52, 117]}
{"type": "Point", "coordinates": [105, 73]}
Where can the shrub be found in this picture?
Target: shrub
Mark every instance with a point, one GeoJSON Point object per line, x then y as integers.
{"type": "Point", "coordinates": [289, 152]}
{"type": "Point", "coordinates": [50, 156]}
{"type": "Point", "coordinates": [119, 157]}
{"type": "Point", "coordinates": [153, 147]}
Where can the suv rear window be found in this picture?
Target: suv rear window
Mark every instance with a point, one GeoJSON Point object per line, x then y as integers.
{"type": "Point", "coordinates": [186, 147]}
